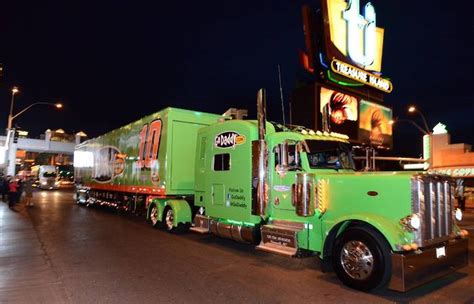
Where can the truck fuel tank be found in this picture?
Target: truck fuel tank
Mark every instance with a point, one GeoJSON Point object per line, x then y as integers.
{"type": "Point", "coordinates": [236, 232]}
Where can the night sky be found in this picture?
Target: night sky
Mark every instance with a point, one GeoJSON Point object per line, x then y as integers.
{"type": "Point", "coordinates": [112, 62]}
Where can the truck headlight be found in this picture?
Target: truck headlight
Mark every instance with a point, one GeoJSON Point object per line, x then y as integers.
{"type": "Point", "coordinates": [411, 222]}
{"type": "Point", "coordinates": [415, 222]}
{"type": "Point", "coordinates": [44, 183]}
{"type": "Point", "coordinates": [458, 214]}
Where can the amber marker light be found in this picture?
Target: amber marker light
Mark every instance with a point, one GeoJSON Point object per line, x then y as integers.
{"type": "Point", "coordinates": [411, 109]}
{"type": "Point", "coordinates": [59, 105]}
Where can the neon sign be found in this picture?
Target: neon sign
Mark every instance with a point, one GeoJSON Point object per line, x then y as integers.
{"type": "Point", "coordinates": [360, 75]}
{"type": "Point", "coordinates": [355, 22]}
{"type": "Point", "coordinates": [354, 35]}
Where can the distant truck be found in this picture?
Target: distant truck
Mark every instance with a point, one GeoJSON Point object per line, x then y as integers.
{"type": "Point", "coordinates": [288, 190]}
{"type": "Point", "coordinates": [47, 176]}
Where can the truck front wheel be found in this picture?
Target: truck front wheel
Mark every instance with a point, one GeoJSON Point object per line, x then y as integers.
{"type": "Point", "coordinates": [361, 259]}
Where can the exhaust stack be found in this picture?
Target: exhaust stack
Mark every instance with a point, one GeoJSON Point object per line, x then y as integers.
{"type": "Point", "coordinates": [260, 158]}
{"type": "Point", "coordinates": [261, 113]}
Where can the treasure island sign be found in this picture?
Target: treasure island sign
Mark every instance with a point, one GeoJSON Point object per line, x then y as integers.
{"type": "Point", "coordinates": [343, 59]}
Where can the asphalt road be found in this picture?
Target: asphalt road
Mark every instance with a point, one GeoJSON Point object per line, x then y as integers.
{"type": "Point", "coordinates": [98, 256]}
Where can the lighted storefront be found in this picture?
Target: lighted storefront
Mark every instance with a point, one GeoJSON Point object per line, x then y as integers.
{"type": "Point", "coordinates": [456, 160]}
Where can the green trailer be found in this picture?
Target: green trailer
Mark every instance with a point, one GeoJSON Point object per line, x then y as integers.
{"type": "Point", "coordinates": [286, 190]}
{"type": "Point", "coordinates": [151, 157]}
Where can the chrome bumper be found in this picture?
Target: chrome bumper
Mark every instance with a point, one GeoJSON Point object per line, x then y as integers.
{"type": "Point", "coordinates": [414, 269]}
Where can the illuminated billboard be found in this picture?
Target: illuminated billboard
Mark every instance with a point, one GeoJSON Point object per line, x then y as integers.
{"type": "Point", "coordinates": [374, 124]}
{"type": "Point", "coordinates": [339, 112]}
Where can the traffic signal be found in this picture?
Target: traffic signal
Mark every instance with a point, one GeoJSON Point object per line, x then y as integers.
{"type": "Point", "coordinates": [15, 136]}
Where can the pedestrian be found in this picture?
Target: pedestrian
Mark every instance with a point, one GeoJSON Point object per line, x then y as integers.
{"type": "Point", "coordinates": [6, 188]}
{"type": "Point", "coordinates": [19, 190]}
{"type": "Point", "coordinates": [12, 192]}
{"type": "Point", "coordinates": [3, 188]}
{"type": "Point", "coordinates": [28, 188]}
{"type": "Point", "coordinates": [460, 194]}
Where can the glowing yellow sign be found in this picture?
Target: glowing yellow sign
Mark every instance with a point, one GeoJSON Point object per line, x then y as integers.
{"type": "Point", "coordinates": [354, 35]}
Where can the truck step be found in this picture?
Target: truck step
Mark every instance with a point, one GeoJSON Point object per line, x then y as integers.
{"type": "Point", "coordinates": [201, 224]}
{"type": "Point", "coordinates": [278, 249]}
{"type": "Point", "coordinates": [200, 230]}
{"type": "Point", "coordinates": [280, 239]}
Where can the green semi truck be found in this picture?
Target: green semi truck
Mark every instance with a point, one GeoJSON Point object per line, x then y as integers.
{"type": "Point", "coordinates": [287, 190]}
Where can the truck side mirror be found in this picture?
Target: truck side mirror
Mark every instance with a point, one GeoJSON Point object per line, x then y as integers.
{"type": "Point", "coordinates": [282, 166]}
{"type": "Point", "coordinates": [297, 154]}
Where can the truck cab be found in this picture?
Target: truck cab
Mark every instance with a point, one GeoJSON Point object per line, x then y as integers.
{"type": "Point", "coordinates": [373, 228]}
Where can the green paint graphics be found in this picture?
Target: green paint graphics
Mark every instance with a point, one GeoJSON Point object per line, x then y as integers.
{"type": "Point", "coordinates": [236, 198]}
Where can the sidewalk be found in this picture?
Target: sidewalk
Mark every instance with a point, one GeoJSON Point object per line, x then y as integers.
{"type": "Point", "coordinates": [26, 274]}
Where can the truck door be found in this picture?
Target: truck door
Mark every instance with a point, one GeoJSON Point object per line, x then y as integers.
{"type": "Point", "coordinates": [218, 194]}
{"type": "Point", "coordinates": [229, 175]}
{"type": "Point", "coordinates": [284, 178]}
{"type": "Point", "coordinates": [221, 163]}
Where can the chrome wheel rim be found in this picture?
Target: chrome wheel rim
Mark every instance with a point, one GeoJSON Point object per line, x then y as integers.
{"type": "Point", "coordinates": [169, 217]}
{"type": "Point", "coordinates": [154, 215]}
{"type": "Point", "coordinates": [357, 260]}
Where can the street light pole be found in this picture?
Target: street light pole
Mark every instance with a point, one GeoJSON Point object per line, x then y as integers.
{"type": "Point", "coordinates": [10, 117]}
{"type": "Point", "coordinates": [57, 105]}
{"type": "Point", "coordinates": [10, 144]}
{"type": "Point", "coordinates": [392, 122]}
{"type": "Point", "coordinates": [427, 137]}
{"type": "Point", "coordinates": [412, 109]}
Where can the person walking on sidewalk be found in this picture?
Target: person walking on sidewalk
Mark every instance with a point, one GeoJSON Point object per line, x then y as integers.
{"type": "Point", "coordinates": [3, 188]}
{"type": "Point", "coordinates": [19, 190]}
{"type": "Point", "coordinates": [28, 189]}
{"type": "Point", "coordinates": [12, 193]}
{"type": "Point", "coordinates": [460, 194]}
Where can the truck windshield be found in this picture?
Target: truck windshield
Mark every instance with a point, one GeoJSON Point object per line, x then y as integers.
{"type": "Point", "coordinates": [329, 154]}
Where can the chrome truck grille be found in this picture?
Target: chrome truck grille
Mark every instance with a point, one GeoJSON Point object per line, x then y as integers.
{"type": "Point", "coordinates": [433, 200]}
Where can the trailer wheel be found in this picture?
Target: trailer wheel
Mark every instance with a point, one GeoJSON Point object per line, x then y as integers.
{"type": "Point", "coordinates": [154, 218]}
{"type": "Point", "coordinates": [361, 259]}
{"type": "Point", "coordinates": [167, 219]}
{"type": "Point", "coordinates": [77, 198]}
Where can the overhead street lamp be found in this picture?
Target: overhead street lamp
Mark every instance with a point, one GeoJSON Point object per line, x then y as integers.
{"type": "Point", "coordinates": [11, 117]}
{"type": "Point", "coordinates": [392, 122]}
{"type": "Point", "coordinates": [413, 109]}
{"type": "Point", "coordinates": [427, 137]}
{"type": "Point", "coordinates": [10, 130]}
